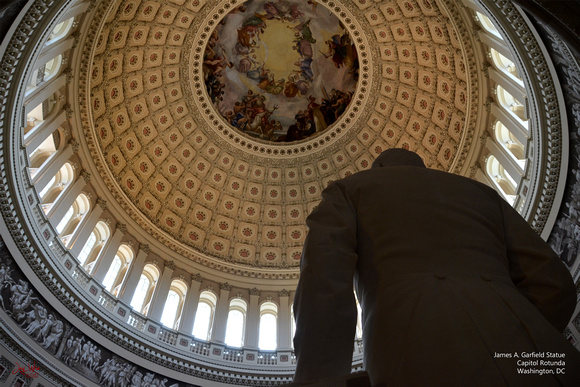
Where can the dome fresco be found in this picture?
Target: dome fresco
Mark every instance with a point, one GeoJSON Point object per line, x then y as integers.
{"type": "Point", "coordinates": [210, 122]}
{"type": "Point", "coordinates": [280, 71]}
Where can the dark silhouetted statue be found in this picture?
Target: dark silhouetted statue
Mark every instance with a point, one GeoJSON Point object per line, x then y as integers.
{"type": "Point", "coordinates": [456, 288]}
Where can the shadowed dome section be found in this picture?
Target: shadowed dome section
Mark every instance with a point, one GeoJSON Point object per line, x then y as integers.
{"type": "Point", "coordinates": [280, 71]}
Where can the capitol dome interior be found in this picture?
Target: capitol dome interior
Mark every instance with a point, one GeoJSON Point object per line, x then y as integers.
{"type": "Point", "coordinates": [158, 160]}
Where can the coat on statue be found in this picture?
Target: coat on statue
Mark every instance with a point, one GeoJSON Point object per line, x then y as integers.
{"type": "Point", "coordinates": [454, 285]}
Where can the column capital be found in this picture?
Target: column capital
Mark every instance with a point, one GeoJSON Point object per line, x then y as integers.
{"type": "Point", "coordinates": [487, 103]}
{"type": "Point", "coordinates": [102, 203]}
{"type": "Point", "coordinates": [197, 277]}
{"type": "Point", "coordinates": [68, 111]}
{"type": "Point", "coordinates": [86, 176]}
{"type": "Point", "coordinates": [74, 144]}
{"type": "Point", "coordinates": [170, 265]}
{"type": "Point", "coordinates": [254, 292]}
{"type": "Point", "coordinates": [68, 71]}
{"type": "Point", "coordinates": [122, 227]}
{"type": "Point", "coordinates": [145, 247]}
{"type": "Point", "coordinates": [226, 286]}
{"type": "Point", "coordinates": [284, 293]}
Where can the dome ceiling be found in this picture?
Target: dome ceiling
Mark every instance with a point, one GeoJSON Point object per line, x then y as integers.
{"type": "Point", "coordinates": [209, 123]}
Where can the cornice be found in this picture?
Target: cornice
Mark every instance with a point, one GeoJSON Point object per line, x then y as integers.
{"type": "Point", "coordinates": [547, 163]}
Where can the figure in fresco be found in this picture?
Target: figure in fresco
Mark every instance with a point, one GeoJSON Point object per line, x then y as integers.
{"type": "Point", "coordinates": [260, 123]}
{"type": "Point", "coordinates": [137, 379]}
{"type": "Point", "coordinates": [54, 335]}
{"type": "Point", "coordinates": [303, 47]}
{"type": "Point", "coordinates": [245, 93]}
{"type": "Point", "coordinates": [304, 65]}
{"type": "Point", "coordinates": [316, 116]}
{"type": "Point", "coordinates": [45, 331]}
{"type": "Point", "coordinates": [20, 300]}
{"type": "Point", "coordinates": [45, 326]}
{"type": "Point", "coordinates": [249, 33]}
{"type": "Point", "coordinates": [282, 10]}
{"type": "Point", "coordinates": [342, 52]}
{"type": "Point", "coordinates": [313, 3]}
{"type": "Point", "coordinates": [271, 11]}
{"type": "Point", "coordinates": [74, 353]}
{"type": "Point", "coordinates": [215, 61]}
{"type": "Point", "coordinates": [86, 352]}
{"type": "Point", "coordinates": [5, 278]}
{"type": "Point", "coordinates": [290, 87]}
{"type": "Point", "coordinates": [94, 359]}
{"type": "Point", "coordinates": [294, 13]}
{"type": "Point", "coordinates": [39, 316]}
{"type": "Point", "coordinates": [303, 31]}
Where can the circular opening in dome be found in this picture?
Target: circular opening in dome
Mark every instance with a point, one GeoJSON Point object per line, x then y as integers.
{"type": "Point", "coordinates": [280, 71]}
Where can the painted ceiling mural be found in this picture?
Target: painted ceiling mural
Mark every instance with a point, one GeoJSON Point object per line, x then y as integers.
{"type": "Point", "coordinates": [215, 126]}
{"type": "Point", "coordinates": [280, 70]}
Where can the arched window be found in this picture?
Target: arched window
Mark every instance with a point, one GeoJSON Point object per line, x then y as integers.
{"type": "Point", "coordinates": [505, 65]}
{"type": "Point", "coordinates": [236, 322]}
{"type": "Point", "coordinates": [116, 273]}
{"type": "Point", "coordinates": [50, 184]}
{"type": "Point", "coordinates": [512, 105]}
{"type": "Point", "coordinates": [501, 179]}
{"type": "Point", "coordinates": [174, 304]}
{"type": "Point", "coordinates": [44, 72]}
{"type": "Point", "coordinates": [64, 221]}
{"type": "Point", "coordinates": [510, 143]}
{"type": "Point", "coordinates": [60, 31]}
{"type": "Point", "coordinates": [487, 24]}
{"type": "Point", "coordinates": [94, 245]}
{"type": "Point", "coordinates": [204, 315]}
{"type": "Point", "coordinates": [73, 217]}
{"type": "Point", "coordinates": [87, 248]}
{"type": "Point", "coordinates": [112, 273]}
{"type": "Point", "coordinates": [42, 153]}
{"type": "Point", "coordinates": [145, 288]}
{"type": "Point", "coordinates": [37, 115]}
{"type": "Point", "coordinates": [52, 67]}
{"type": "Point", "coordinates": [58, 184]}
{"type": "Point", "coordinates": [268, 326]}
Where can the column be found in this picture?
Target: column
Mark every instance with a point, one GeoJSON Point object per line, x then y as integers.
{"type": "Point", "coordinates": [510, 122]}
{"type": "Point", "coordinates": [161, 291]}
{"type": "Point", "coordinates": [102, 266]}
{"type": "Point", "coordinates": [495, 42]}
{"type": "Point", "coordinates": [83, 232]}
{"type": "Point", "coordinates": [284, 331]}
{"type": "Point", "coordinates": [128, 289]}
{"type": "Point", "coordinates": [53, 165]}
{"type": "Point", "coordinates": [38, 135]}
{"type": "Point", "coordinates": [67, 198]}
{"type": "Point", "coordinates": [44, 91]}
{"type": "Point", "coordinates": [221, 314]}
{"type": "Point", "coordinates": [252, 320]}
{"type": "Point", "coordinates": [512, 87]}
{"type": "Point", "coordinates": [191, 301]}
